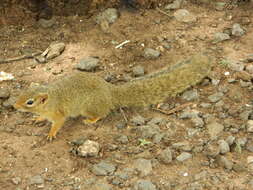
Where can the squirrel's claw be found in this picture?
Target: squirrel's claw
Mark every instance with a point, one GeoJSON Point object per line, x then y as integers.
{"type": "Point", "coordinates": [50, 138]}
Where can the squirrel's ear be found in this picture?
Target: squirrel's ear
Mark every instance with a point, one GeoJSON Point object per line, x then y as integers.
{"type": "Point", "coordinates": [42, 97]}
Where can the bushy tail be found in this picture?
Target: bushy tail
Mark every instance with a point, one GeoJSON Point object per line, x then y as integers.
{"type": "Point", "coordinates": [155, 88]}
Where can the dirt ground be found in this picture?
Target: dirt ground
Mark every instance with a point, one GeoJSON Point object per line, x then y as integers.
{"type": "Point", "coordinates": [25, 153]}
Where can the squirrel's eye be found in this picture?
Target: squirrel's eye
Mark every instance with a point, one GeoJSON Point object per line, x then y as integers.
{"type": "Point", "coordinates": [29, 102]}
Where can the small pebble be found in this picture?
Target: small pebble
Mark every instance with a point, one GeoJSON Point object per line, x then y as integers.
{"type": "Point", "coordinates": [183, 15]}
{"type": "Point", "coordinates": [183, 156]}
{"type": "Point", "coordinates": [223, 147]}
{"type": "Point", "coordinates": [165, 156]}
{"type": "Point", "coordinates": [190, 95]}
{"type": "Point", "coordinates": [16, 180]}
{"type": "Point", "coordinates": [224, 162]}
{"type": "Point", "coordinates": [237, 30]}
{"type": "Point", "coordinates": [103, 168]}
{"type": "Point", "coordinates": [250, 126]}
{"type": "Point", "coordinates": [4, 93]}
{"type": "Point", "coordinates": [88, 149]}
{"type": "Point", "coordinates": [36, 180]}
{"type": "Point", "coordinates": [138, 71]}
{"type": "Point", "coordinates": [144, 185]}
{"type": "Point", "coordinates": [150, 53]}
{"type": "Point", "coordinates": [143, 166]}
{"type": "Point", "coordinates": [88, 64]}
{"type": "Point", "coordinates": [219, 37]}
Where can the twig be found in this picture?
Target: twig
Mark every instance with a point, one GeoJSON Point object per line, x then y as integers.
{"type": "Point", "coordinates": [163, 12]}
{"type": "Point", "coordinates": [20, 58]}
{"type": "Point", "coordinates": [122, 112]}
{"type": "Point", "coordinates": [123, 43]}
{"type": "Point", "coordinates": [179, 108]}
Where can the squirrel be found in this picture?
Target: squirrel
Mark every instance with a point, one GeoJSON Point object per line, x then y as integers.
{"type": "Point", "coordinates": [86, 94]}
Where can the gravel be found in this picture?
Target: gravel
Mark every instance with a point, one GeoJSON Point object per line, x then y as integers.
{"type": "Point", "coordinates": [103, 168]}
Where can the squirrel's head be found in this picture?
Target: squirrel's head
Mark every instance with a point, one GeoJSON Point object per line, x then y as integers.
{"type": "Point", "coordinates": [32, 100]}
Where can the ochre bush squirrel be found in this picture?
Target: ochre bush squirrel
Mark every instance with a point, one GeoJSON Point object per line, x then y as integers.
{"type": "Point", "coordinates": [91, 96]}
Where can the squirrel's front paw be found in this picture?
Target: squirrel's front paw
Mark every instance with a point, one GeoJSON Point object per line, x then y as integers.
{"type": "Point", "coordinates": [39, 120]}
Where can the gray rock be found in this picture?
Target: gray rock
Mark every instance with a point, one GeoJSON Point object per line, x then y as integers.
{"type": "Point", "coordinates": [148, 131]}
{"type": "Point", "coordinates": [9, 102]}
{"type": "Point", "coordinates": [54, 50]}
{"type": "Point", "coordinates": [138, 71]}
{"type": "Point", "coordinates": [123, 139]}
{"type": "Point", "coordinates": [188, 114]}
{"type": "Point", "coordinates": [235, 66]}
{"type": "Point", "coordinates": [198, 122]}
{"type": "Point", "coordinates": [144, 185]}
{"type": "Point", "coordinates": [219, 6]}
{"type": "Point", "coordinates": [150, 53]}
{"type": "Point", "coordinates": [36, 180]}
{"type": "Point", "coordinates": [220, 37]}
{"type": "Point", "coordinates": [103, 168]}
{"type": "Point", "coordinates": [214, 129]}
{"type": "Point", "coordinates": [205, 105]}
{"type": "Point", "coordinates": [4, 93]}
{"type": "Point", "coordinates": [223, 147]}
{"type": "Point", "coordinates": [44, 23]}
{"type": "Point", "coordinates": [224, 162]}
{"type": "Point", "coordinates": [16, 180]}
{"type": "Point", "coordinates": [215, 97]}
{"type": "Point", "coordinates": [175, 5]}
{"type": "Point", "coordinates": [241, 141]}
{"type": "Point", "coordinates": [230, 140]}
{"type": "Point", "coordinates": [245, 115]}
{"type": "Point", "coordinates": [125, 174]}
{"type": "Point", "coordinates": [237, 30]}
{"type": "Point", "coordinates": [165, 156]}
{"type": "Point", "coordinates": [249, 68]}
{"type": "Point", "coordinates": [138, 120]}
{"type": "Point", "coordinates": [250, 126]}
{"type": "Point", "coordinates": [110, 15]}
{"type": "Point", "coordinates": [190, 95]}
{"type": "Point", "coordinates": [143, 166]}
{"type": "Point", "coordinates": [182, 15]}
{"type": "Point", "coordinates": [183, 156]}
{"type": "Point", "coordinates": [88, 149]}
{"type": "Point", "coordinates": [101, 186]}
{"type": "Point", "coordinates": [88, 64]}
